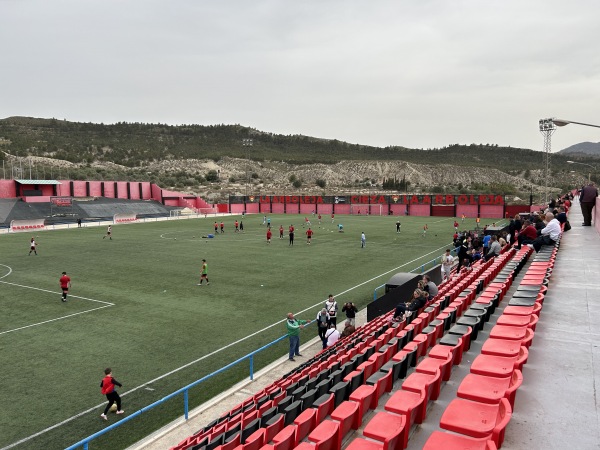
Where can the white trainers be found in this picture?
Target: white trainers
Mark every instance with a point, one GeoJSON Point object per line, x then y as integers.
{"type": "Point", "coordinates": [103, 416]}
{"type": "Point", "coordinates": [121, 412]}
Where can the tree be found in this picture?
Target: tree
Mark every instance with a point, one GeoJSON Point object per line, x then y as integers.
{"type": "Point", "coordinates": [321, 183]}
{"type": "Point", "coordinates": [297, 183]}
{"type": "Point", "coordinates": [212, 176]}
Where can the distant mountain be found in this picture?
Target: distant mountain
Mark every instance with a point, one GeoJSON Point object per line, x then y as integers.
{"type": "Point", "coordinates": [583, 148]}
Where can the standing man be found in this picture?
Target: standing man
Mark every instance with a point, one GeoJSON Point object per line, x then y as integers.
{"type": "Point", "coordinates": [447, 262]}
{"type": "Point", "coordinates": [309, 234]}
{"type": "Point", "coordinates": [291, 234]}
{"type": "Point", "coordinates": [350, 309]}
{"type": "Point", "coordinates": [269, 235]}
{"type": "Point", "coordinates": [455, 225]}
{"type": "Point", "coordinates": [65, 284]}
{"type": "Point", "coordinates": [204, 273]}
{"type": "Point", "coordinates": [331, 307]}
{"type": "Point", "coordinates": [216, 227]}
{"type": "Point", "coordinates": [587, 198]}
{"type": "Point", "coordinates": [293, 331]}
{"type": "Point", "coordinates": [108, 233]}
{"type": "Point", "coordinates": [32, 245]}
{"type": "Point", "coordinates": [222, 227]}
{"type": "Point", "coordinates": [363, 240]}
{"type": "Point", "coordinates": [78, 223]}
{"type": "Point", "coordinates": [280, 231]}
{"type": "Point", "coordinates": [398, 225]}
{"type": "Point", "coordinates": [241, 226]}
{"type": "Point", "coordinates": [107, 386]}
{"type": "Point", "coordinates": [237, 226]}
{"type": "Point", "coordinates": [322, 325]}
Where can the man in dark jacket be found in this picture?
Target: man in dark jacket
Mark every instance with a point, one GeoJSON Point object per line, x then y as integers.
{"type": "Point", "coordinates": [587, 198]}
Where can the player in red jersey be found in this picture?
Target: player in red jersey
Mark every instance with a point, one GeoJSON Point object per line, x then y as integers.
{"type": "Point", "coordinates": [319, 219]}
{"type": "Point", "coordinates": [222, 227]}
{"type": "Point", "coordinates": [65, 284]}
{"type": "Point", "coordinates": [237, 226]}
{"type": "Point", "coordinates": [269, 234]}
{"type": "Point", "coordinates": [291, 234]}
{"type": "Point", "coordinates": [107, 386]}
{"type": "Point", "coordinates": [455, 225]}
{"type": "Point", "coordinates": [332, 217]}
{"type": "Point", "coordinates": [309, 234]}
{"type": "Point", "coordinates": [280, 231]}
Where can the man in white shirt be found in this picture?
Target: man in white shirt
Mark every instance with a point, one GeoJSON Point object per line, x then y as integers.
{"type": "Point", "coordinates": [447, 262]}
{"type": "Point", "coordinates": [549, 234]}
{"type": "Point", "coordinates": [332, 335]}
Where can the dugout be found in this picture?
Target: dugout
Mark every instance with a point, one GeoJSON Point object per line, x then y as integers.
{"type": "Point", "coordinates": [399, 288]}
{"type": "Point", "coordinates": [495, 230]}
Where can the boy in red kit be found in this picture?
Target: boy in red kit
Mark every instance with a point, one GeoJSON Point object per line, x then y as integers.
{"type": "Point", "coordinates": [269, 235]}
{"type": "Point", "coordinates": [280, 231]}
{"type": "Point", "coordinates": [222, 227]}
{"type": "Point", "coordinates": [107, 386]}
{"type": "Point", "coordinates": [237, 226]}
{"type": "Point", "coordinates": [65, 284]}
{"type": "Point", "coordinates": [309, 234]}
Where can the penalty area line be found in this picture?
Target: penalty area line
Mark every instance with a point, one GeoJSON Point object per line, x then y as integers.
{"type": "Point", "coordinates": [58, 293]}
{"type": "Point", "coordinates": [54, 320]}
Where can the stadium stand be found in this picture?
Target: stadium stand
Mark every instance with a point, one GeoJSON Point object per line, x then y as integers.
{"type": "Point", "coordinates": [359, 374]}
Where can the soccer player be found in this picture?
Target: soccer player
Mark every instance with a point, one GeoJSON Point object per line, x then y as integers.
{"type": "Point", "coordinates": [107, 386]}
{"type": "Point", "coordinates": [291, 234]}
{"type": "Point", "coordinates": [332, 217]}
{"type": "Point", "coordinates": [216, 227]}
{"type": "Point", "coordinates": [463, 218]}
{"type": "Point", "coordinates": [222, 227]}
{"type": "Point", "coordinates": [204, 273]}
{"type": "Point", "coordinates": [108, 233]}
{"type": "Point", "coordinates": [32, 245]}
{"type": "Point", "coordinates": [455, 225]}
{"type": "Point", "coordinates": [237, 226]}
{"type": "Point", "coordinates": [65, 284]}
{"type": "Point", "coordinates": [425, 228]}
{"type": "Point", "coordinates": [268, 222]}
{"type": "Point", "coordinates": [319, 219]}
{"type": "Point", "coordinates": [269, 234]}
{"type": "Point", "coordinates": [280, 231]}
{"type": "Point", "coordinates": [241, 226]}
{"type": "Point", "coordinates": [363, 240]}
{"type": "Point", "coordinates": [309, 234]}
{"type": "Point", "coordinates": [398, 225]}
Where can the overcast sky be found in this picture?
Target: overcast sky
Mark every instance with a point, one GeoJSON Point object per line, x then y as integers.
{"type": "Point", "coordinates": [415, 73]}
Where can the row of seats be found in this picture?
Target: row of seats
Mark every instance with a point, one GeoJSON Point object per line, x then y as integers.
{"type": "Point", "coordinates": [486, 396]}
{"type": "Point", "coordinates": [127, 219]}
{"type": "Point", "coordinates": [27, 227]}
{"type": "Point", "coordinates": [357, 370]}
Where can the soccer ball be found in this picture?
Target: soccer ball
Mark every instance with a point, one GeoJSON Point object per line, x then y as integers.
{"type": "Point", "coordinates": [113, 408]}
{"type": "Point", "coordinates": [175, 238]}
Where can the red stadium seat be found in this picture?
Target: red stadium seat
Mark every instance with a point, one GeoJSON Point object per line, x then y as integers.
{"type": "Point", "coordinates": [365, 397]}
{"type": "Point", "coordinates": [478, 420]}
{"type": "Point", "coordinates": [305, 423]}
{"type": "Point", "coordinates": [484, 389]}
{"type": "Point", "coordinates": [388, 429]}
{"type": "Point", "coordinates": [325, 436]}
{"type": "Point", "coordinates": [416, 382]}
{"type": "Point", "coordinates": [432, 365]}
{"type": "Point", "coordinates": [348, 416]}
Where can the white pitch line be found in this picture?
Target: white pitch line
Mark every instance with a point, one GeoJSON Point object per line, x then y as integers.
{"type": "Point", "coordinates": [144, 386]}
{"type": "Point", "coordinates": [58, 293]}
{"type": "Point", "coordinates": [54, 320]}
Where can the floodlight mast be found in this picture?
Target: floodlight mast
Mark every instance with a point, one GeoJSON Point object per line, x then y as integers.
{"type": "Point", "coordinates": [547, 127]}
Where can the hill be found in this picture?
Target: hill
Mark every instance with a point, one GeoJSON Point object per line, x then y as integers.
{"type": "Point", "coordinates": [583, 149]}
{"type": "Point", "coordinates": [215, 160]}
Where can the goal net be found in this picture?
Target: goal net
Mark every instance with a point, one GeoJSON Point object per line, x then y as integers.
{"type": "Point", "coordinates": [365, 209]}
{"type": "Point", "coordinates": [27, 225]}
{"type": "Point", "coordinates": [124, 217]}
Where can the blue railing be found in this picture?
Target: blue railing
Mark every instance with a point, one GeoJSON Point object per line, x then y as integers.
{"type": "Point", "coordinates": [184, 390]}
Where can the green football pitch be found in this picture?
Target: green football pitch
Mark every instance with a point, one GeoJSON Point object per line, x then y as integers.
{"type": "Point", "coordinates": [135, 306]}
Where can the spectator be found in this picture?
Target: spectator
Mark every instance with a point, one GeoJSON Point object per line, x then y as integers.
{"type": "Point", "coordinates": [332, 308]}
{"type": "Point", "coordinates": [486, 243]}
{"type": "Point", "coordinates": [350, 309]}
{"type": "Point", "coordinates": [332, 335]}
{"type": "Point", "coordinates": [293, 331]}
{"type": "Point", "coordinates": [527, 235]}
{"type": "Point", "coordinates": [462, 253]}
{"type": "Point", "coordinates": [322, 324]}
{"type": "Point", "coordinates": [549, 234]}
{"type": "Point", "coordinates": [587, 199]}
{"type": "Point", "coordinates": [494, 249]}
{"type": "Point", "coordinates": [430, 287]}
{"type": "Point", "coordinates": [418, 301]}
{"type": "Point", "coordinates": [349, 328]}
{"type": "Point", "coordinates": [447, 262]}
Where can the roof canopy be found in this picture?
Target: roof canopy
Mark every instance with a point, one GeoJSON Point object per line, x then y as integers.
{"type": "Point", "coordinates": [38, 182]}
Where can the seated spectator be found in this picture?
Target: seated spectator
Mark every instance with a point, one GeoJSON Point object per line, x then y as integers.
{"type": "Point", "coordinates": [527, 235]}
{"type": "Point", "coordinates": [494, 249]}
{"type": "Point", "coordinates": [430, 287]}
{"type": "Point", "coordinates": [332, 335]}
{"type": "Point", "coordinates": [348, 328]}
{"type": "Point", "coordinates": [561, 215]}
{"type": "Point", "coordinates": [418, 301]}
{"type": "Point", "coordinates": [549, 234]}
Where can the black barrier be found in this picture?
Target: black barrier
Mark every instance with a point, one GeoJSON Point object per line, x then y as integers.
{"type": "Point", "coordinates": [407, 283]}
{"type": "Point", "coordinates": [495, 230]}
